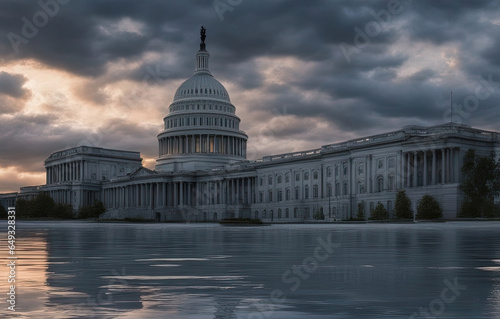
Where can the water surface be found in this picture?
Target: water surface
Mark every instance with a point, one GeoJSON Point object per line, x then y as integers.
{"type": "Point", "coordinates": [122, 270]}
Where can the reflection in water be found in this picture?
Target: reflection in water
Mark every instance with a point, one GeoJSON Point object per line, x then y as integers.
{"type": "Point", "coordinates": [91, 270]}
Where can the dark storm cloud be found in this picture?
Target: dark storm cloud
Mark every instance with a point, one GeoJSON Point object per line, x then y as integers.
{"type": "Point", "coordinates": [12, 85]}
{"type": "Point", "coordinates": [380, 87]}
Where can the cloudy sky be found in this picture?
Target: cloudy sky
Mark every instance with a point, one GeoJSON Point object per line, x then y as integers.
{"type": "Point", "coordinates": [301, 73]}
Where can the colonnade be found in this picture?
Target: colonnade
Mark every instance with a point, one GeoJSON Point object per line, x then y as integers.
{"type": "Point", "coordinates": [202, 143]}
{"type": "Point", "coordinates": [70, 171]}
{"type": "Point", "coordinates": [431, 167]}
{"type": "Point", "coordinates": [230, 191]}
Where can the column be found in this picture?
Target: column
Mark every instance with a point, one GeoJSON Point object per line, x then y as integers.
{"type": "Point", "coordinates": [415, 169]}
{"type": "Point", "coordinates": [425, 168]}
{"type": "Point", "coordinates": [408, 170]}
{"type": "Point", "coordinates": [433, 181]}
{"type": "Point", "coordinates": [442, 166]}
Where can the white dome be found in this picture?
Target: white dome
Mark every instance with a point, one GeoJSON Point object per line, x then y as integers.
{"type": "Point", "coordinates": [202, 85]}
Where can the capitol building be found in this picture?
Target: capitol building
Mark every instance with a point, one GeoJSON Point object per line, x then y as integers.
{"type": "Point", "coordinates": [202, 173]}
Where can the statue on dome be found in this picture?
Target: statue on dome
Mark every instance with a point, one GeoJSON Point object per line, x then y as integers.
{"type": "Point", "coordinates": [202, 33]}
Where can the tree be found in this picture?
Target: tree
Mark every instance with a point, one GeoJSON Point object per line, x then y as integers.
{"type": "Point", "coordinates": [429, 208]}
{"type": "Point", "coordinates": [3, 212]}
{"type": "Point", "coordinates": [402, 207]}
{"type": "Point", "coordinates": [379, 212]}
{"type": "Point", "coordinates": [43, 205]}
{"type": "Point", "coordinates": [361, 210]}
{"type": "Point", "coordinates": [480, 185]}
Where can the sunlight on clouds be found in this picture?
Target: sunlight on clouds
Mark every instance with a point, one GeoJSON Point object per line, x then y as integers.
{"type": "Point", "coordinates": [15, 177]}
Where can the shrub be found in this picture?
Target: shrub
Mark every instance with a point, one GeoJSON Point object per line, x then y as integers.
{"type": "Point", "coordinates": [93, 211]}
{"type": "Point", "coordinates": [379, 212]}
{"type": "Point", "coordinates": [402, 207]}
{"type": "Point", "coordinates": [429, 208]}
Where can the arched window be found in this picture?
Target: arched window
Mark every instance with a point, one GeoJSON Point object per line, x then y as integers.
{"type": "Point", "coordinates": [279, 179]}
{"type": "Point", "coordinates": [297, 177]}
{"type": "Point", "coordinates": [280, 195]}
{"type": "Point", "coordinates": [287, 213]}
{"type": "Point", "coordinates": [337, 189]}
{"type": "Point", "coordinates": [315, 175]}
{"type": "Point", "coordinates": [270, 196]}
{"type": "Point", "coordinates": [295, 212]}
{"type": "Point", "coordinates": [270, 180]}
{"type": "Point", "coordinates": [306, 192]}
{"type": "Point", "coordinates": [345, 169]}
{"type": "Point", "coordinates": [287, 178]}
{"type": "Point", "coordinates": [287, 194]}
{"type": "Point", "coordinates": [297, 192]}
{"type": "Point", "coordinates": [279, 212]}
{"type": "Point", "coordinates": [380, 184]}
{"type": "Point", "coordinates": [336, 171]}
{"type": "Point", "coordinates": [264, 215]}
{"type": "Point", "coordinates": [390, 182]}
{"type": "Point", "coordinates": [306, 176]}
{"type": "Point", "coordinates": [346, 192]}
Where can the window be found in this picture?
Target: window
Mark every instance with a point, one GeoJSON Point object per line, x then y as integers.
{"type": "Point", "coordinates": [279, 179]}
{"type": "Point", "coordinates": [280, 196]}
{"type": "Point", "coordinates": [391, 162]}
{"type": "Point", "coordinates": [261, 181]}
{"type": "Point", "coordinates": [256, 215]}
{"type": "Point", "coordinates": [261, 197]}
{"type": "Point", "coordinates": [296, 193]}
{"type": "Point", "coordinates": [287, 178]}
{"type": "Point", "coordinates": [329, 172]}
{"type": "Point", "coordinates": [297, 177]}
{"type": "Point", "coordinates": [380, 164]}
{"type": "Point", "coordinates": [345, 169]}
{"type": "Point", "coordinates": [295, 212]}
{"type": "Point", "coordinates": [306, 192]}
{"type": "Point", "coordinates": [287, 194]}
{"type": "Point", "coordinates": [345, 189]}
{"type": "Point", "coordinates": [270, 196]}
{"type": "Point", "coordinates": [360, 168]}
{"type": "Point", "coordinates": [279, 212]}
{"type": "Point", "coordinates": [315, 174]}
{"type": "Point", "coordinates": [287, 213]}
{"type": "Point", "coordinates": [329, 190]}
{"type": "Point", "coordinates": [337, 189]}
{"type": "Point", "coordinates": [390, 182]}
{"type": "Point", "coordinates": [380, 184]}
{"type": "Point", "coordinates": [315, 191]}
{"type": "Point", "coordinates": [306, 176]}
{"type": "Point", "coordinates": [270, 180]}
{"type": "Point", "coordinates": [361, 188]}
{"type": "Point", "coordinates": [336, 171]}
{"type": "Point", "coordinates": [264, 214]}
